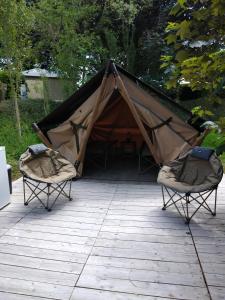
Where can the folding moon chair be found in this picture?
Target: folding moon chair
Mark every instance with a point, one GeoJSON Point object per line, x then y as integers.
{"type": "Point", "coordinates": [45, 172]}
{"type": "Point", "coordinates": [188, 182]}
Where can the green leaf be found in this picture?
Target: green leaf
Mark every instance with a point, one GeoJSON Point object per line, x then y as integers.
{"type": "Point", "coordinates": [171, 38]}
{"type": "Point", "coordinates": [172, 26]}
{"type": "Point", "coordinates": [182, 55]}
{"type": "Point", "coordinates": [182, 3]}
{"type": "Point", "coordinates": [184, 30]}
{"type": "Point", "coordinates": [175, 9]}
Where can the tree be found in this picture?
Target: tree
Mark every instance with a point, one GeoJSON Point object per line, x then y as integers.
{"type": "Point", "coordinates": [196, 35]}
{"type": "Point", "coordinates": [132, 32]}
{"type": "Point", "coordinates": [77, 37]}
{"type": "Point", "coordinates": [15, 24]}
{"type": "Point", "coordinates": [65, 39]}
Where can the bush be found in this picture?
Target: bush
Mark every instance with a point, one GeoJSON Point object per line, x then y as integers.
{"type": "Point", "coordinates": [216, 141]}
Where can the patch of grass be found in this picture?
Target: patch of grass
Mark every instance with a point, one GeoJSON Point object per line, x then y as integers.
{"type": "Point", "coordinates": [31, 111]}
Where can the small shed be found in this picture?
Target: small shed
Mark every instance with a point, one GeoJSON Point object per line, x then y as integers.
{"type": "Point", "coordinates": [41, 83]}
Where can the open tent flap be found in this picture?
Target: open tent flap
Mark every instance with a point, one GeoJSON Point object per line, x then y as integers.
{"type": "Point", "coordinates": [169, 134]}
{"type": "Point", "coordinates": [63, 137]}
{"type": "Point", "coordinates": [141, 97]}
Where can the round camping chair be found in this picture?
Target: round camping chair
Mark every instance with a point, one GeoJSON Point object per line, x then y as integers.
{"type": "Point", "coordinates": [189, 180]}
{"type": "Point", "coordinates": [45, 172]}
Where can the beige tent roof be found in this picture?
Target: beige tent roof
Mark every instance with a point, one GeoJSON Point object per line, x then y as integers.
{"type": "Point", "coordinates": [113, 105]}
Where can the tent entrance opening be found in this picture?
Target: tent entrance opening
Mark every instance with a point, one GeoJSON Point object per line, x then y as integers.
{"type": "Point", "coordinates": [116, 143]}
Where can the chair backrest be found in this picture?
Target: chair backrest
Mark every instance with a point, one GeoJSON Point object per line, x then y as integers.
{"type": "Point", "coordinates": [44, 165]}
{"type": "Point", "coordinates": [194, 170]}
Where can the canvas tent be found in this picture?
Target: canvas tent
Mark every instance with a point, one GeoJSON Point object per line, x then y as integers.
{"type": "Point", "coordinates": [112, 106]}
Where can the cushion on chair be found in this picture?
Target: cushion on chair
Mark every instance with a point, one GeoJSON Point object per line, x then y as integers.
{"type": "Point", "coordinates": [48, 167]}
{"type": "Point", "coordinates": [202, 152]}
{"type": "Point", "coordinates": [37, 149]}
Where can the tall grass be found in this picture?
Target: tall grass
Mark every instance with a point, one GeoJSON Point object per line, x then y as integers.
{"type": "Point", "coordinates": [31, 111]}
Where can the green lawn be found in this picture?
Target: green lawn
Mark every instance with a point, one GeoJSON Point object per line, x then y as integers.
{"type": "Point", "coordinates": [31, 111]}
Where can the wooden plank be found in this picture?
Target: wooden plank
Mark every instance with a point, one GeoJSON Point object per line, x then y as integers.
{"type": "Point", "coordinates": [215, 279]}
{"type": "Point", "coordinates": [143, 288]}
{"type": "Point", "coordinates": [53, 255]}
{"type": "Point", "coordinates": [155, 276]}
{"type": "Point", "coordinates": [151, 238]}
{"type": "Point", "coordinates": [146, 246]}
{"type": "Point", "coordinates": [175, 219]}
{"type": "Point", "coordinates": [208, 241]}
{"type": "Point", "coordinates": [217, 293]}
{"type": "Point", "coordinates": [162, 225]}
{"type": "Point", "coordinates": [50, 245]}
{"type": "Point", "coordinates": [53, 217]}
{"type": "Point", "coordinates": [45, 236]}
{"type": "Point", "coordinates": [63, 224]}
{"type": "Point", "coordinates": [10, 296]}
{"type": "Point", "coordinates": [214, 268]}
{"type": "Point", "coordinates": [7, 222]}
{"type": "Point", "coordinates": [144, 264]}
{"type": "Point", "coordinates": [211, 248]}
{"type": "Point", "coordinates": [57, 229]}
{"type": "Point", "coordinates": [151, 254]}
{"type": "Point", "coordinates": [68, 213]}
{"type": "Point", "coordinates": [78, 207]}
{"type": "Point", "coordinates": [31, 274]}
{"type": "Point", "coordinates": [12, 214]}
{"type": "Point", "coordinates": [40, 263]}
{"type": "Point", "coordinates": [212, 258]}
{"type": "Point", "coordinates": [146, 230]}
{"type": "Point", "coordinates": [91, 294]}
{"type": "Point", "coordinates": [32, 288]}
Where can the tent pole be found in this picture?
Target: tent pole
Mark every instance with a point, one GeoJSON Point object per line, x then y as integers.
{"type": "Point", "coordinates": [41, 135]}
{"type": "Point", "coordinates": [129, 102]}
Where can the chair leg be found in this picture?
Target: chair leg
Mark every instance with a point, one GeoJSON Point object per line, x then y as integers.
{"type": "Point", "coordinates": [187, 209]}
{"type": "Point", "coordinates": [37, 188]}
{"type": "Point", "coordinates": [164, 202]}
{"type": "Point", "coordinates": [24, 192]}
{"type": "Point", "coordinates": [215, 203]}
{"type": "Point", "coordinates": [48, 195]}
{"type": "Point", "coordinates": [185, 200]}
{"type": "Point", "coordinates": [70, 198]}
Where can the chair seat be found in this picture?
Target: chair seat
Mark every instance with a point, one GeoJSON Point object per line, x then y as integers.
{"type": "Point", "coordinates": [167, 177]}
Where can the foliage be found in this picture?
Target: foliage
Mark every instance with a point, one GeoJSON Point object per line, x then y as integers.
{"type": "Point", "coordinates": [196, 35]}
{"type": "Point", "coordinates": [65, 38]}
{"type": "Point", "coordinates": [15, 24]}
{"type": "Point", "coordinates": [214, 140]}
{"type": "Point", "coordinates": [77, 37]}
{"type": "Point", "coordinates": [30, 111]}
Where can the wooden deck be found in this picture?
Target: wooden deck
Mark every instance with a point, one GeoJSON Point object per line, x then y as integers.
{"type": "Point", "coordinates": [113, 242]}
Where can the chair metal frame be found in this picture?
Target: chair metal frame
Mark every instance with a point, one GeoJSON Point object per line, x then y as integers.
{"type": "Point", "coordinates": [39, 187]}
{"type": "Point", "coordinates": [186, 200]}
